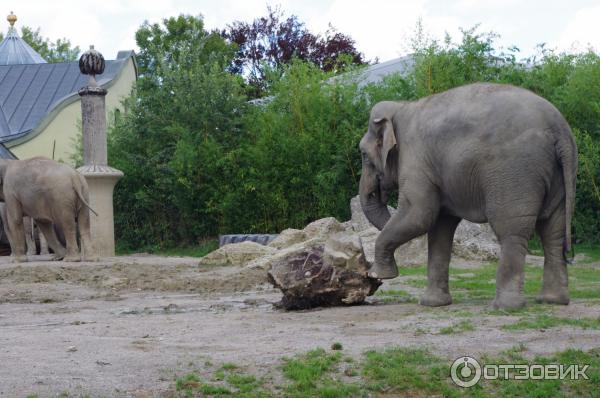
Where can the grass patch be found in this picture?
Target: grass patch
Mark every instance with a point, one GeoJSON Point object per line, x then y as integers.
{"type": "Point", "coordinates": [396, 372]}
{"type": "Point", "coordinates": [199, 250]}
{"type": "Point", "coordinates": [459, 327]}
{"type": "Point", "coordinates": [395, 296]}
{"type": "Point", "coordinates": [228, 382]}
{"type": "Point", "coordinates": [548, 321]}
{"type": "Point", "coordinates": [414, 372]}
{"type": "Point", "coordinates": [548, 388]}
{"type": "Point", "coordinates": [479, 284]}
{"type": "Point", "coordinates": [313, 375]}
{"type": "Point", "coordinates": [592, 252]}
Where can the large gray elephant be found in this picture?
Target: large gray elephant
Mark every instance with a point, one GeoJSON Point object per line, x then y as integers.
{"type": "Point", "coordinates": [482, 152]}
{"type": "Point", "coordinates": [50, 193]}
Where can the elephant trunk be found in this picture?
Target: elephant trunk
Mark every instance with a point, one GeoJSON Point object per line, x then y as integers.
{"type": "Point", "coordinates": [372, 201]}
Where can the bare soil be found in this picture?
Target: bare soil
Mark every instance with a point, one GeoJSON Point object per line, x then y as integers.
{"type": "Point", "coordinates": [128, 326]}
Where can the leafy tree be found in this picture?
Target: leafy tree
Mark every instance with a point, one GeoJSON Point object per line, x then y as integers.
{"type": "Point", "coordinates": [269, 42]}
{"type": "Point", "coordinates": [59, 51]}
{"type": "Point", "coordinates": [180, 126]}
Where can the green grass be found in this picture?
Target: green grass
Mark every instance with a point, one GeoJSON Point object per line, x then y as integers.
{"type": "Point", "coordinates": [543, 321]}
{"type": "Point", "coordinates": [592, 252]}
{"type": "Point", "coordinates": [310, 375]}
{"type": "Point", "coordinates": [199, 250]}
{"type": "Point", "coordinates": [479, 284]}
{"type": "Point", "coordinates": [458, 327]}
{"type": "Point", "coordinates": [395, 296]}
{"type": "Point", "coordinates": [394, 372]}
{"type": "Point", "coordinates": [228, 381]}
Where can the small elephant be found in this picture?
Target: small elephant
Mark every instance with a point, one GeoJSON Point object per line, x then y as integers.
{"type": "Point", "coordinates": [30, 233]}
{"type": "Point", "coordinates": [481, 152]}
{"type": "Point", "coordinates": [50, 193]}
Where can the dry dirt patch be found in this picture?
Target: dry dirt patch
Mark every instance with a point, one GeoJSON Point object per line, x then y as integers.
{"type": "Point", "coordinates": [130, 325]}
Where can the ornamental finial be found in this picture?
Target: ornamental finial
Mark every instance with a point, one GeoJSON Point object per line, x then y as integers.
{"type": "Point", "coordinates": [91, 63]}
{"type": "Point", "coordinates": [12, 18]}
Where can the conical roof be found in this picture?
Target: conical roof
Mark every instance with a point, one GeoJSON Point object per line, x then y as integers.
{"type": "Point", "coordinates": [14, 50]}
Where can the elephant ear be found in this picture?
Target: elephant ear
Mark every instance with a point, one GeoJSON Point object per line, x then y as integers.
{"type": "Point", "coordinates": [387, 138]}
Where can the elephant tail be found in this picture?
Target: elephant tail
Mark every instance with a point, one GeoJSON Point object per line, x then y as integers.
{"type": "Point", "coordinates": [567, 154]}
{"type": "Point", "coordinates": [79, 186]}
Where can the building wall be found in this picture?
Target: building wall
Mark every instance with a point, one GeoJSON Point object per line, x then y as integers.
{"type": "Point", "coordinates": [62, 132]}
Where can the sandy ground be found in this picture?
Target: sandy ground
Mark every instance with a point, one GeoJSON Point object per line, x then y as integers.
{"type": "Point", "coordinates": [127, 326]}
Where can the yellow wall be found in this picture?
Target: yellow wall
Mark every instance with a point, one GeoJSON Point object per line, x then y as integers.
{"type": "Point", "coordinates": [62, 131]}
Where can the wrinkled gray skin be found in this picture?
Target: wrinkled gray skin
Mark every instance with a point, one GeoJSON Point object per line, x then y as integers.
{"type": "Point", "coordinates": [50, 193]}
{"type": "Point", "coordinates": [483, 152]}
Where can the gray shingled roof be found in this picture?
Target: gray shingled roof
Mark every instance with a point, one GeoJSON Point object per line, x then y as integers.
{"type": "Point", "coordinates": [375, 73]}
{"type": "Point", "coordinates": [30, 92]}
{"type": "Point", "coordinates": [15, 51]}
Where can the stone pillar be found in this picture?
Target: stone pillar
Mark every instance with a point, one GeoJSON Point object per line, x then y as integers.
{"type": "Point", "coordinates": [100, 177]}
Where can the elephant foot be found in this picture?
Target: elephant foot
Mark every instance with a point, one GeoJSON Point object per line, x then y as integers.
{"type": "Point", "coordinates": [388, 270]}
{"type": "Point", "coordinates": [20, 259]}
{"type": "Point", "coordinates": [57, 256]}
{"type": "Point", "coordinates": [93, 259]}
{"type": "Point", "coordinates": [435, 298]}
{"type": "Point", "coordinates": [508, 302]}
{"type": "Point", "coordinates": [44, 252]}
{"type": "Point", "coordinates": [31, 252]}
{"type": "Point", "coordinates": [560, 297]}
{"type": "Point", "coordinates": [72, 258]}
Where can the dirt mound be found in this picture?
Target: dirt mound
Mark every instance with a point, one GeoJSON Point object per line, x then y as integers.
{"type": "Point", "coordinates": [90, 280]}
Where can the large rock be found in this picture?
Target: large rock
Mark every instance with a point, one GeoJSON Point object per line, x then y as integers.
{"type": "Point", "coordinates": [475, 242]}
{"type": "Point", "coordinates": [236, 254]}
{"type": "Point", "coordinates": [471, 241]}
{"type": "Point", "coordinates": [287, 238]}
{"type": "Point", "coordinates": [344, 249]}
{"type": "Point", "coordinates": [266, 262]}
{"type": "Point", "coordinates": [308, 279]}
{"type": "Point", "coordinates": [322, 229]}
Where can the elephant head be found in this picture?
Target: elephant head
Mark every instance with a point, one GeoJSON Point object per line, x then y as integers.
{"type": "Point", "coordinates": [379, 149]}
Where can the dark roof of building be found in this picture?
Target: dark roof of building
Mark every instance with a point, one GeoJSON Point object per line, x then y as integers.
{"type": "Point", "coordinates": [5, 153]}
{"type": "Point", "coordinates": [30, 92]}
{"type": "Point", "coordinates": [15, 51]}
{"type": "Point", "coordinates": [376, 72]}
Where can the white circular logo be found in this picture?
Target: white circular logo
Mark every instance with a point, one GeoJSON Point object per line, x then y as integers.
{"type": "Point", "coordinates": [465, 372]}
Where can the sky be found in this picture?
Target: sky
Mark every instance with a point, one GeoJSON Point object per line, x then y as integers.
{"type": "Point", "coordinates": [382, 29]}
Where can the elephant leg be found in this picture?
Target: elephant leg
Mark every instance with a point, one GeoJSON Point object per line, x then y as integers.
{"type": "Point", "coordinates": [410, 221]}
{"type": "Point", "coordinates": [69, 228]}
{"type": "Point", "coordinates": [439, 244]}
{"type": "Point", "coordinates": [83, 222]}
{"type": "Point", "coordinates": [510, 276]}
{"type": "Point", "coordinates": [14, 215]}
{"type": "Point", "coordinates": [47, 229]}
{"type": "Point", "coordinates": [29, 240]}
{"type": "Point", "coordinates": [555, 280]}
{"type": "Point", "coordinates": [43, 243]}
